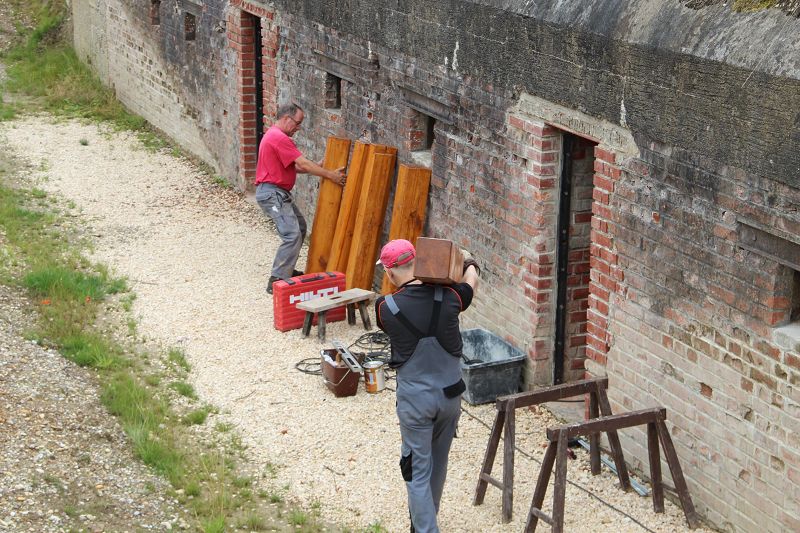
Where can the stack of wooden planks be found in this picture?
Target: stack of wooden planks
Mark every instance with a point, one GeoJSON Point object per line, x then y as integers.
{"type": "Point", "coordinates": [348, 220]}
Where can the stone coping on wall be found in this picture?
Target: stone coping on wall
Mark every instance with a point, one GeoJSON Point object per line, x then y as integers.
{"type": "Point", "coordinates": [788, 337]}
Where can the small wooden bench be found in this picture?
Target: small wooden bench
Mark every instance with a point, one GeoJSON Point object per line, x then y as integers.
{"type": "Point", "coordinates": [352, 298]}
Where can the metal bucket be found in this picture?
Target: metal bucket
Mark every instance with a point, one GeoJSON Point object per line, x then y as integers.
{"type": "Point", "coordinates": [374, 378]}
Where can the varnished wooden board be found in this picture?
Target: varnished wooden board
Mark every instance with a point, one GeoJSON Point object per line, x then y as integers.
{"type": "Point", "coordinates": [369, 221]}
{"type": "Point", "coordinates": [408, 211]}
{"type": "Point", "coordinates": [345, 225]}
{"type": "Point", "coordinates": [328, 203]}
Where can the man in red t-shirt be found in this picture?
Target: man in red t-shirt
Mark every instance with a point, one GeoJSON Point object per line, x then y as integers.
{"type": "Point", "coordinates": [279, 161]}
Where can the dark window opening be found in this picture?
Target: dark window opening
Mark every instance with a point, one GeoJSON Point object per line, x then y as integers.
{"type": "Point", "coordinates": [795, 311]}
{"type": "Point", "coordinates": [155, 12]}
{"type": "Point", "coordinates": [189, 26]}
{"type": "Point", "coordinates": [333, 91]}
{"type": "Point", "coordinates": [422, 133]}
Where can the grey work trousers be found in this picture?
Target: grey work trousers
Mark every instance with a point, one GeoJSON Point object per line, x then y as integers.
{"type": "Point", "coordinates": [428, 421]}
{"type": "Point", "coordinates": [289, 221]}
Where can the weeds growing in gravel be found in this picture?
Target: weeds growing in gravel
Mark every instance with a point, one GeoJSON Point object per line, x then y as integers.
{"type": "Point", "coordinates": [177, 357]}
{"type": "Point", "coordinates": [184, 389]}
{"type": "Point", "coordinates": [43, 255]}
{"type": "Point", "coordinates": [68, 292]}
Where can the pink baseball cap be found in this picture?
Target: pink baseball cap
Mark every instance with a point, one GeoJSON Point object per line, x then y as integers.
{"type": "Point", "coordinates": [395, 253]}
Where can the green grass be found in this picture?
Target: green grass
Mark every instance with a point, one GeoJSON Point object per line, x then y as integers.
{"type": "Point", "coordinates": [192, 488]}
{"type": "Point", "coordinates": [7, 112]}
{"type": "Point", "coordinates": [196, 417]}
{"type": "Point", "coordinates": [45, 68]}
{"type": "Point", "coordinates": [214, 525]}
{"type": "Point", "coordinates": [254, 522]}
{"type": "Point", "coordinates": [143, 418]}
{"type": "Point", "coordinates": [62, 282]}
{"type": "Point", "coordinates": [184, 389]}
{"type": "Point", "coordinates": [298, 517]}
{"type": "Point", "coordinates": [92, 349]}
{"type": "Point", "coordinates": [55, 75]}
{"type": "Point", "coordinates": [177, 357]}
{"type": "Point", "coordinates": [43, 254]}
{"type": "Point", "coordinates": [242, 482]}
{"type": "Point", "coordinates": [222, 182]}
{"type": "Point", "coordinates": [223, 427]}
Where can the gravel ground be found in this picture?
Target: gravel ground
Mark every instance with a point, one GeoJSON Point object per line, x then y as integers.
{"type": "Point", "coordinates": [198, 258]}
{"type": "Point", "coordinates": [65, 462]}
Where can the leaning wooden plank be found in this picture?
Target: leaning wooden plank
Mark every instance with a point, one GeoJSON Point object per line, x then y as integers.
{"type": "Point", "coordinates": [340, 247]}
{"type": "Point", "coordinates": [408, 211]}
{"type": "Point", "coordinates": [369, 221]}
{"type": "Point", "coordinates": [345, 225]}
{"type": "Point", "coordinates": [328, 202]}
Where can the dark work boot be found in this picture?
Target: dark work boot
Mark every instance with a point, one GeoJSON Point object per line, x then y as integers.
{"type": "Point", "coordinates": [272, 279]}
{"type": "Point", "coordinates": [297, 273]}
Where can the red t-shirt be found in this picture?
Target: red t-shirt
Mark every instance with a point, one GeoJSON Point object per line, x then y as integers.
{"type": "Point", "coordinates": [276, 156]}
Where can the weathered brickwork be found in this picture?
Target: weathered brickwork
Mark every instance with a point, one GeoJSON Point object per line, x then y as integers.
{"type": "Point", "coordinates": [661, 295]}
{"type": "Point", "coordinates": [691, 322]}
{"type": "Point", "coordinates": [182, 87]}
{"type": "Point", "coordinates": [244, 37]}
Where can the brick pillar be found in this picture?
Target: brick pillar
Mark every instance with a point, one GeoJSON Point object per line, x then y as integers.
{"type": "Point", "coordinates": [605, 271]}
{"type": "Point", "coordinates": [539, 144]}
{"type": "Point", "coordinates": [242, 38]}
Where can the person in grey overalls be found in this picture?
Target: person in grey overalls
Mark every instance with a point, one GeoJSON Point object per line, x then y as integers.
{"type": "Point", "coordinates": [279, 161]}
{"type": "Point", "coordinates": [423, 326]}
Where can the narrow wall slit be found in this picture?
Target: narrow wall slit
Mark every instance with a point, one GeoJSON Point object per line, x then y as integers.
{"type": "Point", "coordinates": [573, 238]}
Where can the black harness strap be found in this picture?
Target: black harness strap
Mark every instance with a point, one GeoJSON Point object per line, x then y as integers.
{"type": "Point", "coordinates": [438, 297]}
{"type": "Point", "coordinates": [395, 310]}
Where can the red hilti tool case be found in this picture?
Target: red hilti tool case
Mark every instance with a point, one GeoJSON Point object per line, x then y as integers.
{"type": "Point", "coordinates": [286, 294]}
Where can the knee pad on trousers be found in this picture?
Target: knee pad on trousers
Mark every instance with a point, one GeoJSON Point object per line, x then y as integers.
{"type": "Point", "coordinates": [405, 467]}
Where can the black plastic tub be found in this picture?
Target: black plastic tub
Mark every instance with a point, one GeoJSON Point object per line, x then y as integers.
{"type": "Point", "coordinates": [495, 367]}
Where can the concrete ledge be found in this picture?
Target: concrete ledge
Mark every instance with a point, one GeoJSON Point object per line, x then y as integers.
{"type": "Point", "coordinates": [788, 337]}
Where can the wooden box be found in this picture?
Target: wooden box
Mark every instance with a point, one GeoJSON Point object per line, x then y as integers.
{"type": "Point", "coordinates": [438, 261]}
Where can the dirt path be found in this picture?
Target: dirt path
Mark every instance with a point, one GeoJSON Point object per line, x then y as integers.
{"type": "Point", "coordinates": [65, 463]}
{"type": "Point", "coordinates": [198, 258]}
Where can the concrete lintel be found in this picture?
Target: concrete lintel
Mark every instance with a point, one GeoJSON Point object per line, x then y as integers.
{"type": "Point", "coordinates": [192, 6]}
{"type": "Point", "coordinates": [608, 135]}
{"type": "Point", "coordinates": [427, 105]}
{"type": "Point", "coordinates": [335, 67]}
{"type": "Point", "coordinates": [777, 245]}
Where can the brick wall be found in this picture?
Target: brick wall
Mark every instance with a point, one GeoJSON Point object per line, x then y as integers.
{"type": "Point", "coordinates": [649, 289]}
{"type": "Point", "coordinates": [691, 328]}
{"type": "Point", "coordinates": [661, 295]}
{"type": "Point", "coordinates": [181, 87]}
{"type": "Point", "coordinates": [244, 21]}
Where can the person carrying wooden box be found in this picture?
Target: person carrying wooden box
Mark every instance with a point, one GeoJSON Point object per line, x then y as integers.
{"type": "Point", "coordinates": [422, 321]}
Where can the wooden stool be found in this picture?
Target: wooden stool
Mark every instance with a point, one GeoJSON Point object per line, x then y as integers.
{"type": "Point", "coordinates": [557, 453]}
{"type": "Point", "coordinates": [352, 298]}
{"type": "Point", "coordinates": [506, 405]}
